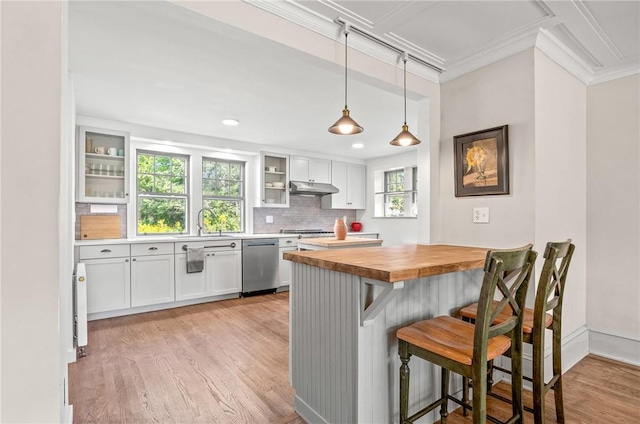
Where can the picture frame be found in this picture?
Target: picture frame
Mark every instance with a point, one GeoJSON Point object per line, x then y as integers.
{"type": "Point", "coordinates": [482, 162]}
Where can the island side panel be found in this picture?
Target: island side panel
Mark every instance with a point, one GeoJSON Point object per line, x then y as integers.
{"type": "Point", "coordinates": [378, 362]}
{"type": "Point", "coordinates": [323, 343]}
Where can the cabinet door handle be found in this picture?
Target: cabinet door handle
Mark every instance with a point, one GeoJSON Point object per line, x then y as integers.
{"type": "Point", "coordinates": [289, 241]}
{"type": "Point", "coordinates": [105, 251]}
{"type": "Point", "coordinates": [232, 245]}
{"type": "Point", "coordinates": [153, 248]}
{"type": "Point", "coordinates": [126, 260]}
{"type": "Point", "coordinates": [133, 259]}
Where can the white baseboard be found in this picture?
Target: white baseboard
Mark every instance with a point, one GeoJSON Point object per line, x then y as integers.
{"type": "Point", "coordinates": [614, 347]}
{"type": "Point", "coordinates": [308, 413]}
{"type": "Point", "coordinates": [68, 411]}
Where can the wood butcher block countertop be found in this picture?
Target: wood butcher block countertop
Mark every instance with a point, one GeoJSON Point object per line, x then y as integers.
{"type": "Point", "coordinates": [394, 263]}
{"type": "Point", "coordinates": [332, 242]}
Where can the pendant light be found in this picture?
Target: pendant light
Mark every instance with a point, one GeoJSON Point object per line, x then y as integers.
{"type": "Point", "coordinates": [345, 125]}
{"type": "Point", "coordinates": [405, 138]}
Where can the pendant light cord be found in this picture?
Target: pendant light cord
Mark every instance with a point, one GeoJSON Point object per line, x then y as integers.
{"type": "Point", "coordinates": [405, 90]}
{"type": "Point", "coordinates": [346, 34]}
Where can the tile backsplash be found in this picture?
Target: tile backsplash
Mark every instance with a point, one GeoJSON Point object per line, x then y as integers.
{"type": "Point", "coordinates": [304, 212]}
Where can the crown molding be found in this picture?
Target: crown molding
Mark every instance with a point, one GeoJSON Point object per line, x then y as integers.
{"type": "Point", "coordinates": [312, 21]}
{"type": "Point", "coordinates": [618, 72]}
{"type": "Point", "coordinates": [563, 56]}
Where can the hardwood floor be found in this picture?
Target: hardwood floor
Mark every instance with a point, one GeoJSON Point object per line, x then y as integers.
{"type": "Point", "coordinates": [596, 390]}
{"type": "Point", "coordinates": [227, 362]}
{"type": "Point", "coordinates": [221, 362]}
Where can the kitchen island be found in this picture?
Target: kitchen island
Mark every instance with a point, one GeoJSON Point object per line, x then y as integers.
{"type": "Point", "coordinates": [346, 306]}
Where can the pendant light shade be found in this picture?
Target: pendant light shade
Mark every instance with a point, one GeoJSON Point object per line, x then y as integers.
{"type": "Point", "coordinates": [405, 138]}
{"type": "Point", "coordinates": [345, 125]}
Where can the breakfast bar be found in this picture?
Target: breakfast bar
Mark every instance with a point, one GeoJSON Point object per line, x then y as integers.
{"type": "Point", "coordinates": [346, 306]}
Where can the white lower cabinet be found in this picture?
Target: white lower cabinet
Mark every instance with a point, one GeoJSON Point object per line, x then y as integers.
{"type": "Point", "coordinates": [224, 272]}
{"type": "Point", "coordinates": [152, 280]}
{"type": "Point", "coordinates": [190, 286]}
{"type": "Point", "coordinates": [285, 267]}
{"type": "Point", "coordinates": [108, 284]}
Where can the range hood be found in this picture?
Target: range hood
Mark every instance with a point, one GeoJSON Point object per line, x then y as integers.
{"type": "Point", "coordinates": [311, 189]}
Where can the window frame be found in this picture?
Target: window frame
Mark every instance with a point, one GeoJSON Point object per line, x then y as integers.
{"type": "Point", "coordinates": [240, 199]}
{"type": "Point", "coordinates": [155, 195]}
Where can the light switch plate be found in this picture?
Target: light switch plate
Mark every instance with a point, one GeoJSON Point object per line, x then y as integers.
{"type": "Point", "coordinates": [269, 219]}
{"type": "Point", "coordinates": [480, 215]}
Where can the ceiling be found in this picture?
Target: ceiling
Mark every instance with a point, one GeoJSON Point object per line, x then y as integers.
{"type": "Point", "coordinates": [161, 65]}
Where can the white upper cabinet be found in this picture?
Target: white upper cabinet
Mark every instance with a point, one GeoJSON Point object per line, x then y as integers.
{"type": "Point", "coordinates": [350, 179]}
{"type": "Point", "coordinates": [310, 169]}
{"type": "Point", "coordinates": [274, 180]}
{"type": "Point", "coordinates": [103, 166]}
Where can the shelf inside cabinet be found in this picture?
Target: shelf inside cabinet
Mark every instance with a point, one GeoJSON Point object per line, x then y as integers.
{"type": "Point", "coordinates": [275, 188]}
{"type": "Point", "coordinates": [275, 172]}
{"type": "Point", "coordinates": [101, 157]}
{"type": "Point", "coordinates": [112, 177]}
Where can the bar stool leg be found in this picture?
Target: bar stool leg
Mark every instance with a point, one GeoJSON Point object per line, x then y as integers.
{"type": "Point", "coordinates": [557, 370]}
{"type": "Point", "coordinates": [404, 380]}
{"type": "Point", "coordinates": [516, 376]}
{"type": "Point", "coordinates": [538, 381]}
{"type": "Point", "coordinates": [444, 393]}
{"type": "Point", "coordinates": [479, 402]}
{"type": "Point", "coordinates": [465, 396]}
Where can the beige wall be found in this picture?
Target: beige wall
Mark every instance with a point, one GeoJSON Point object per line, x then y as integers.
{"type": "Point", "coordinates": [29, 193]}
{"type": "Point", "coordinates": [613, 219]}
{"type": "Point", "coordinates": [545, 108]}
{"type": "Point", "coordinates": [498, 94]}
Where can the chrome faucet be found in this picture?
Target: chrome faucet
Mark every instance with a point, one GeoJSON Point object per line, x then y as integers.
{"type": "Point", "coordinates": [200, 224]}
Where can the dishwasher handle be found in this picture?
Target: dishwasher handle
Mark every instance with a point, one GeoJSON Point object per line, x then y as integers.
{"type": "Point", "coordinates": [260, 243]}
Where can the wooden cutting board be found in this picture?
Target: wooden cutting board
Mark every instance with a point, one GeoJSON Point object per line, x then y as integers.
{"type": "Point", "coordinates": [99, 227]}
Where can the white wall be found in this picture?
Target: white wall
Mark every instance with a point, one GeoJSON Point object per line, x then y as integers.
{"type": "Point", "coordinates": [613, 219]}
{"type": "Point", "coordinates": [29, 193]}
{"type": "Point", "coordinates": [560, 177]}
{"type": "Point", "coordinates": [498, 94]}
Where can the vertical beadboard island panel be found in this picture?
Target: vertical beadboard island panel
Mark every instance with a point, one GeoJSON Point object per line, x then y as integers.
{"type": "Point", "coordinates": [345, 369]}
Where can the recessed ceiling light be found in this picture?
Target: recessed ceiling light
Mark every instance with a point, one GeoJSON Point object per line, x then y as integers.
{"type": "Point", "coordinates": [230, 122]}
{"type": "Point", "coordinates": [357, 145]}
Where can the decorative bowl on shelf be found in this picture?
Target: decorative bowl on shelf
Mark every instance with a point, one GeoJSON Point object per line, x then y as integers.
{"type": "Point", "coordinates": [271, 169]}
{"type": "Point", "coordinates": [268, 184]}
{"type": "Point", "coordinates": [278, 184]}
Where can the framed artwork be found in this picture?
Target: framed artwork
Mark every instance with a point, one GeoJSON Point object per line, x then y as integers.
{"type": "Point", "coordinates": [482, 162]}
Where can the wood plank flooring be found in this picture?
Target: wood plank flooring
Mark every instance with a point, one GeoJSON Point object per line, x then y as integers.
{"type": "Point", "coordinates": [221, 362]}
{"type": "Point", "coordinates": [596, 390]}
{"type": "Point", "coordinates": [227, 362]}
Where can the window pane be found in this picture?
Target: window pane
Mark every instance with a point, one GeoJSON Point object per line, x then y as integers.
{"type": "Point", "coordinates": [178, 185]}
{"type": "Point", "coordinates": [161, 215]}
{"type": "Point", "coordinates": [394, 206]}
{"type": "Point", "coordinates": [227, 215]}
{"type": "Point", "coordinates": [208, 187]}
{"type": "Point", "coordinates": [163, 184]}
{"type": "Point", "coordinates": [145, 163]}
{"type": "Point", "coordinates": [236, 171]}
{"type": "Point", "coordinates": [145, 183]}
{"type": "Point", "coordinates": [163, 165]}
{"type": "Point", "coordinates": [235, 189]}
{"type": "Point", "coordinates": [222, 188]}
{"type": "Point", "coordinates": [178, 166]}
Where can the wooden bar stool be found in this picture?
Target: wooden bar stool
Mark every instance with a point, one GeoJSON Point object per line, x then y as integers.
{"type": "Point", "coordinates": [464, 348]}
{"type": "Point", "coordinates": [549, 295]}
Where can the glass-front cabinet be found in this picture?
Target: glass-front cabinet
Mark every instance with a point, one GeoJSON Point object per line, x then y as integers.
{"type": "Point", "coordinates": [275, 180]}
{"type": "Point", "coordinates": [103, 166]}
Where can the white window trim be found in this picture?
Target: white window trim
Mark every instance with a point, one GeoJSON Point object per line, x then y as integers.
{"type": "Point", "coordinates": [195, 171]}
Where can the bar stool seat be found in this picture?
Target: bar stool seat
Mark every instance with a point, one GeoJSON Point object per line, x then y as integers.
{"type": "Point", "coordinates": [471, 311]}
{"type": "Point", "coordinates": [451, 338]}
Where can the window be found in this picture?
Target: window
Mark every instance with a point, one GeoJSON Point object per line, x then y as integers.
{"type": "Point", "coordinates": [162, 192]}
{"type": "Point", "coordinates": [223, 193]}
{"type": "Point", "coordinates": [396, 192]}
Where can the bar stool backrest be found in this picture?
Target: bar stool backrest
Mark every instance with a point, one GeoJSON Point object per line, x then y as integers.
{"type": "Point", "coordinates": [506, 273]}
{"type": "Point", "coordinates": [552, 281]}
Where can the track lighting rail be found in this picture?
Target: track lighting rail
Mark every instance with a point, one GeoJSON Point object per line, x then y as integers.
{"type": "Point", "coordinates": [342, 22]}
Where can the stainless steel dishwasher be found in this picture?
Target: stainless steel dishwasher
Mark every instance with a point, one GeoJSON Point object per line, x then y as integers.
{"type": "Point", "coordinates": [259, 266]}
